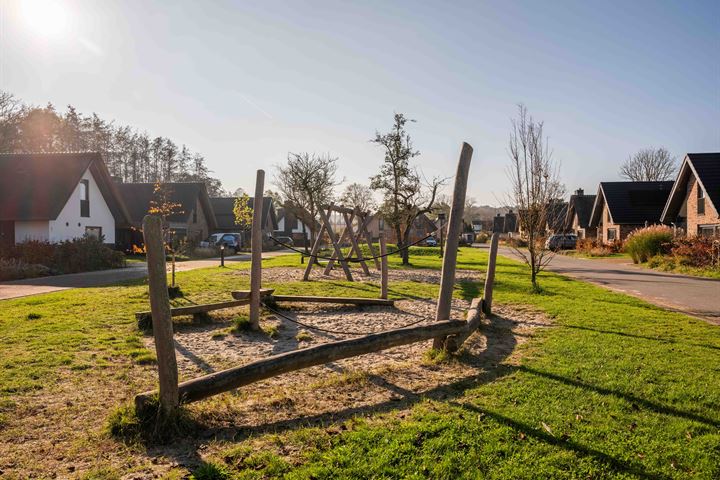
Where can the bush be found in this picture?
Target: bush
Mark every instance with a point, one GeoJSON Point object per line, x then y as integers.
{"type": "Point", "coordinates": [14, 269]}
{"type": "Point", "coordinates": [695, 251]}
{"type": "Point", "coordinates": [644, 243]}
{"type": "Point", "coordinates": [593, 248]}
{"type": "Point", "coordinates": [482, 237]}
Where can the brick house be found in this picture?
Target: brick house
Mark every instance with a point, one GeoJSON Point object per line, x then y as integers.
{"type": "Point", "coordinates": [422, 227]}
{"type": "Point", "coordinates": [622, 207]}
{"type": "Point", "coordinates": [694, 201]}
{"type": "Point", "coordinates": [194, 221]}
{"type": "Point", "coordinates": [225, 218]}
{"type": "Point", "coordinates": [577, 219]}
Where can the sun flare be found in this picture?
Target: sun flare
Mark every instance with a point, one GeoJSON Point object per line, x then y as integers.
{"type": "Point", "coordinates": [46, 18]}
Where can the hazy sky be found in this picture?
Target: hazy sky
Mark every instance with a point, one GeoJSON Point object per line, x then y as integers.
{"type": "Point", "coordinates": [244, 83]}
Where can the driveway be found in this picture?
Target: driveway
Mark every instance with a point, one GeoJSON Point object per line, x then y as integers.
{"type": "Point", "coordinates": [35, 286]}
{"type": "Point", "coordinates": [695, 296]}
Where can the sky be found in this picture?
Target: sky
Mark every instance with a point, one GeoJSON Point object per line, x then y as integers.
{"type": "Point", "coordinates": [244, 83]}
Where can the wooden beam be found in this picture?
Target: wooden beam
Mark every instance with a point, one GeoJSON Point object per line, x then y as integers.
{"type": "Point", "coordinates": [474, 318]}
{"type": "Point", "coordinates": [343, 300]}
{"type": "Point", "coordinates": [256, 251]}
{"type": "Point", "coordinates": [334, 242]}
{"type": "Point", "coordinates": [230, 379]}
{"type": "Point", "coordinates": [194, 309]}
{"type": "Point", "coordinates": [245, 294]}
{"type": "Point", "coordinates": [312, 260]}
{"type": "Point", "coordinates": [161, 316]}
{"type": "Point", "coordinates": [366, 219]}
{"type": "Point", "coordinates": [384, 268]}
{"type": "Point", "coordinates": [490, 276]}
{"type": "Point", "coordinates": [343, 238]}
{"type": "Point", "coordinates": [354, 243]}
{"type": "Point", "coordinates": [447, 278]}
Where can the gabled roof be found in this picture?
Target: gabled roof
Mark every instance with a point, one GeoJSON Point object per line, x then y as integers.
{"type": "Point", "coordinates": [631, 203]}
{"type": "Point", "coordinates": [36, 186]}
{"type": "Point", "coordinates": [225, 218]}
{"type": "Point", "coordinates": [556, 213]}
{"type": "Point", "coordinates": [291, 218]}
{"type": "Point", "coordinates": [580, 205]}
{"type": "Point", "coordinates": [705, 167]}
{"type": "Point", "coordinates": [137, 197]}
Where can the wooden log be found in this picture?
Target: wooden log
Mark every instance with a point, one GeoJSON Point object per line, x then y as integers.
{"type": "Point", "coordinates": [336, 247]}
{"type": "Point", "coordinates": [256, 253]}
{"type": "Point", "coordinates": [490, 276]}
{"type": "Point", "coordinates": [354, 243]}
{"type": "Point", "coordinates": [474, 318]}
{"type": "Point", "coordinates": [343, 238]}
{"type": "Point", "coordinates": [366, 219]}
{"type": "Point", "coordinates": [342, 300]}
{"type": "Point", "coordinates": [447, 278]}
{"type": "Point", "coordinates": [312, 260]}
{"type": "Point", "coordinates": [230, 379]}
{"type": "Point", "coordinates": [384, 268]}
{"type": "Point", "coordinates": [194, 309]}
{"type": "Point", "coordinates": [161, 316]}
{"type": "Point", "coordinates": [245, 294]}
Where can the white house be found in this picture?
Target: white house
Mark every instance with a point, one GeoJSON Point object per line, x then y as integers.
{"type": "Point", "coordinates": [57, 196]}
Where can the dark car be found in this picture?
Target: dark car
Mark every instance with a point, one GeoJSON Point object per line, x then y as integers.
{"type": "Point", "coordinates": [232, 241]}
{"type": "Point", "coordinates": [566, 241]}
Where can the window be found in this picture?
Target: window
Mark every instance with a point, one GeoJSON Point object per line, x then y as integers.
{"type": "Point", "coordinates": [707, 230]}
{"type": "Point", "coordinates": [94, 232]}
{"type": "Point", "coordinates": [612, 234]}
{"type": "Point", "coordinates": [700, 200]}
{"type": "Point", "coordinates": [84, 198]}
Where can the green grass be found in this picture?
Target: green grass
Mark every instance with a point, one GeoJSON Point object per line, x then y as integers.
{"type": "Point", "coordinates": [577, 254]}
{"type": "Point", "coordinates": [616, 388]}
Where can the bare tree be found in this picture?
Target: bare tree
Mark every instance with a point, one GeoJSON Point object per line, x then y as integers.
{"type": "Point", "coordinates": [536, 189]}
{"type": "Point", "coordinates": [307, 182]}
{"type": "Point", "coordinates": [11, 113]}
{"type": "Point", "coordinates": [357, 195]}
{"type": "Point", "coordinates": [406, 195]}
{"type": "Point", "coordinates": [649, 165]}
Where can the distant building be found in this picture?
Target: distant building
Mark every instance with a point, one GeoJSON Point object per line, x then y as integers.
{"type": "Point", "coordinates": [289, 225]}
{"type": "Point", "coordinates": [621, 207]}
{"type": "Point", "coordinates": [577, 219]}
{"type": "Point", "coordinates": [223, 208]}
{"type": "Point", "coordinates": [694, 201]}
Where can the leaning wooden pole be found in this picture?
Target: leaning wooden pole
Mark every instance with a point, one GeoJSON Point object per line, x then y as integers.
{"type": "Point", "coordinates": [230, 379]}
{"type": "Point", "coordinates": [447, 279]}
{"type": "Point", "coordinates": [256, 251]}
{"type": "Point", "coordinates": [490, 276]}
{"type": "Point", "coordinates": [334, 242]}
{"type": "Point", "coordinates": [383, 267]}
{"type": "Point", "coordinates": [161, 316]}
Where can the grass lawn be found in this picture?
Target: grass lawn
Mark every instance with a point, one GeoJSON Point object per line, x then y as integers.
{"type": "Point", "coordinates": [616, 388]}
{"type": "Point", "coordinates": [575, 253]}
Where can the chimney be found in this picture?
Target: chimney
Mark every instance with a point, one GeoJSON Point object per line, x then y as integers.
{"type": "Point", "coordinates": [579, 192]}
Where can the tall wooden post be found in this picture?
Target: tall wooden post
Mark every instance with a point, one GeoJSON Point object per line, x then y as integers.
{"type": "Point", "coordinates": [383, 267]}
{"type": "Point", "coordinates": [447, 278]}
{"type": "Point", "coordinates": [256, 251]}
{"type": "Point", "coordinates": [490, 277]}
{"type": "Point", "coordinates": [161, 317]}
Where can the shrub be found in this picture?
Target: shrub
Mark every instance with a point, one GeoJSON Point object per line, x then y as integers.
{"type": "Point", "coordinates": [593, 248]}
{"type": "Point", "coordinates": [695, 251]}
{"type": "Point", "coordinates": [482, 237]}
{"type": "Point", "coordinates": [644, 243]}
{"type": "Point", "coordinates": [13, 269]}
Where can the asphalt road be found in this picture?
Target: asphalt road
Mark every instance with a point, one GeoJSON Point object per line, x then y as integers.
{"type": "Point", "coordinates": [36, 286]}
{"type": "Point", "coordinates": [695, 296]}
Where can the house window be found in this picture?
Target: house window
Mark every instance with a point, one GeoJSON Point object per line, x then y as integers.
{"type": "Point", "coordinates": [612, 234]}
{"type": "Point", "coordinates": [700, 200]}
{"type": "Point", "coordinates": [84, 198]}
{"type": "Point", "coordinates": [707, 231]}
{"type": "Point", "coordinates": [93, 232]}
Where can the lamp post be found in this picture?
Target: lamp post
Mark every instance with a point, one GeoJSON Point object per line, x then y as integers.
{"type": "Point", "coordinates": [222, 255]}
{"type": "Point", "coordinates": [441, 217]}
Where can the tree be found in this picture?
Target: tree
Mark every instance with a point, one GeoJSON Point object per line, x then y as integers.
{"type": "Point", "coordinates": [649, 165]}
{"type": "Point", "coordinates": [536, 189]}
{"type": "Point", "coordinates": [12, 112]}
{"type": "Point", "coordinates": [307, 182]}
{"type": "Point", "coordinates": [358, 196]}
{"type": "Point", "coordinates": [242, 212]}
{"type": "Point", "coordinates": [405, 196]}
{"type": "Point", "coordinates": [164, 207]}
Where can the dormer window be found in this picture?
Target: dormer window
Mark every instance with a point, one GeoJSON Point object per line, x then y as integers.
{"type": "Point", "coordinates": [84, 198]}
{"type": "Point", "coordinates": [700, 200]}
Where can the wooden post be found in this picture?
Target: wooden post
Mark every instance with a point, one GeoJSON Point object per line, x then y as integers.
{"type": "Point", "coordinates": [256, 251]}
{"type": "Point", "coordinates": [343, 238]}
{"type": "Point", "coordinates": [383, 268]}
{"type": "Point", "coordinates": [313, 252]}
{"type": "Point", "coordinates": [161, 316]}
{"type": "Point", "coordinates": [366, 219]}
{"type": "Point", "coordinates": [490, 277]}
{"type": "Point", "coordinates": [447, 278]}
{"type": "Point", "coordinates": [334, 242]}
{"type": "Point", "coordinates": [354, 243]}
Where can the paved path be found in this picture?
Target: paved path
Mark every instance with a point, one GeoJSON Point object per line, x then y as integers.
{"type": "Point", "coordinates": [696, 296]}
{"type": "Point", "coordinates": [35, 286]}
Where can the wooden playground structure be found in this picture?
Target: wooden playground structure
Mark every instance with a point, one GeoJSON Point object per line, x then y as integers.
{"type": "Point", "coordinates": [447, 334]}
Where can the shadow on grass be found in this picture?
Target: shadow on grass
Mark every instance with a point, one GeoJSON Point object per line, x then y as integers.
{"type": "Point", "coordinates": [643, 337]}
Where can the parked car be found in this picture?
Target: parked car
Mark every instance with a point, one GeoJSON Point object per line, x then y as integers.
{"type": "Point", "coordinates": [285, 240]}
{"type": "Point", "coordinates": [231, 241]}
{"type": "Point", "coordinates": [561, 242]}
{"type": "Point", "coordinates": [431, 242]}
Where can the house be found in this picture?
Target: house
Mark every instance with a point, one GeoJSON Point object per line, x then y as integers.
{"type": "Point", "coordinates": [694, 201]}
{"type": "Point", "coordinates": [56, 197]}
{"type": "Point", "coordinates": [289, 225]}
{"type": "Point", "coordinates": [577, 219]}
{"type": "Point", "coordinates": [194, 218]}
{"type": "Point", "coordinates": [621, 207]}
{"type": "Point", "coordinates": [225, 217]}
{"type": "Point", "coordinates": [422, 227]}
{"type": "Point", "coordinates": [554, 213]}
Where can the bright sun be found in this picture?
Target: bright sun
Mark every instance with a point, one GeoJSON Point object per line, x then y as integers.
{"type": "Point", "coordinates": [45, 17]}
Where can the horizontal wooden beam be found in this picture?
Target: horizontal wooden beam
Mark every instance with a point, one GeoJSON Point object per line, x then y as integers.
{"type": "Point", "coordinates": [474, 318]}
{"type": "Point", "coordinates": [195, 309]}
{"type": "Point", "coordinates": [243, 294]}
{"type": "Point", "coordinates": [342, 300]}
{"type": "Point", "coordinates": [230, 379]}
